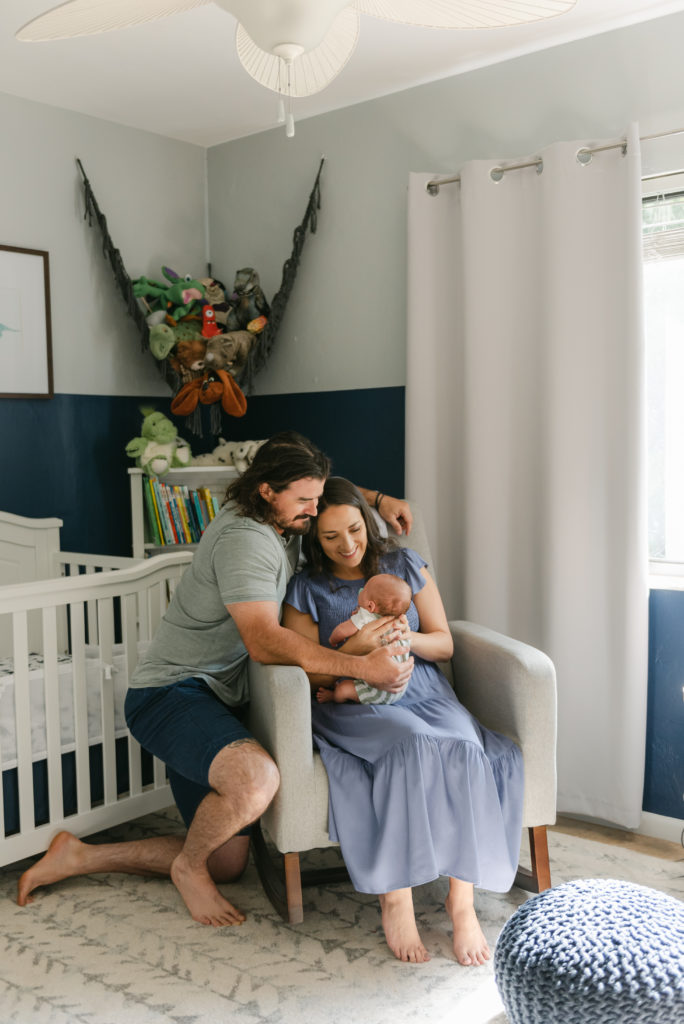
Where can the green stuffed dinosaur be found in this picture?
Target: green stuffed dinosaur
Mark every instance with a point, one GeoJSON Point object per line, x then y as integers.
{"type": "Point", "coordinates": [159, 449]}
{"type": "Point", "coordinates": [177, 298]}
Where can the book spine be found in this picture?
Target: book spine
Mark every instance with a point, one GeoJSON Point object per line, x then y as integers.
{"type": "Point", "coordinates": [206, 495]}
{"type": "Point", "coordinates": [198, 511]}
{"type": "Point", "coordinates": [163, 511]}
{"type": "Point", "coordinates": [195, 529]}
{"type": "Point", "coordinates": [168, 504]}
{"type": "Point", "coordinates": [152, 520]}
{"type": "Point", "coordinates": [179, 497]}
{"type": "Point", "coordinates": [175, 516]}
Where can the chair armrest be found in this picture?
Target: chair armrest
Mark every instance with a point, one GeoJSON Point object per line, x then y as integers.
{"type": "Point", "coordinates": [280, 719]}
{"type": "Point", "coordinates": [510, 687]}
{"type": "Point", "coordinates": [280, 714]}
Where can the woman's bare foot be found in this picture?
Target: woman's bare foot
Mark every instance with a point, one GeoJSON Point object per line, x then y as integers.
{"type": "Point", "coordinates": [470, 946]}
{"type": "Point", "coordinates": [61, 860]}
{"type": "Point", "coordinates": [399, 924]}
{"type": "Point", "coordinates": [201, 897]}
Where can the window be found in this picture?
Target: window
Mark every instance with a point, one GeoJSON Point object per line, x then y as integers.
{"type": "Point", "coordinates": [663, 242]}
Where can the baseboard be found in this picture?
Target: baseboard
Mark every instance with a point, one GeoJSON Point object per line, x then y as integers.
{"type": "Point", "coordinates": [661, 827]}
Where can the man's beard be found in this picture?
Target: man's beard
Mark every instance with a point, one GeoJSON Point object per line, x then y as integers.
{"type": "Point", "coordinates": [298, 528]}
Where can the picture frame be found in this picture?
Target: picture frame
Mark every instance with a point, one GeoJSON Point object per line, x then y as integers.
{"type": "Point", "coordinates": [25, 324]}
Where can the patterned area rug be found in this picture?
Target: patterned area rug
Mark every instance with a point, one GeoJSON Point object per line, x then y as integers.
{"type": "Point", "coordinates": [118, 949]}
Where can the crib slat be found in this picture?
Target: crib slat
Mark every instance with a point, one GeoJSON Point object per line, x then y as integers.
{"type": "Point", "coordinates": [22, 710]}
{"type": "Point", "coordinates": [52, 715]}
{"type": "Point", "coordinates": [129, 622]}
{"type": "Point", "coordinates": [93, 635]}
{"type": "Point", "coordinates": [159, 773]}
{"type": "Point", "coordinates": [105, 615]}
{"type": "Point", "coordinates": [77, 623]}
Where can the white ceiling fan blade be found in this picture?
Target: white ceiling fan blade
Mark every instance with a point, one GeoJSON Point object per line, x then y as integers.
{"type": "Point", "coordinates": [464, 13]}
{"type": "Point", "coordinates": [88, 17]}
{"type": "Point", "coordinates": [310, 72]}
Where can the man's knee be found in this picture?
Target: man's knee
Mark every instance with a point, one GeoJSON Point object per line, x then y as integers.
{"type": "Point", "coordinates": [244, 770]}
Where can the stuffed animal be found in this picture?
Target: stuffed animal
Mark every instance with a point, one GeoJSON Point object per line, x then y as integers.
{"type": "Point", "coordinates": [229, 351]}
{"type": "Point", "coordinates": [189, 355]}
{"type": "Point", "coordinates": [162, 340]}
{"type": "Point", "coordinates": [244, 452]}
{"type": "Point", "coordinates": [177, 298]}
{"type": "Point", "coordinates": [159, 448]}
{"type": "Point", "coordinates": [222, 455]}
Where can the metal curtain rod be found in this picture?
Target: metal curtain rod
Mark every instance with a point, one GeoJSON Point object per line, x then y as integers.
{"type": "Point", "coordinates": [498, 172]}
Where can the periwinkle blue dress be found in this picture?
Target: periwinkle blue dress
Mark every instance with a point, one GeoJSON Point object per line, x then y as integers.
{"type": "Point", "coordinates": [418, 789]}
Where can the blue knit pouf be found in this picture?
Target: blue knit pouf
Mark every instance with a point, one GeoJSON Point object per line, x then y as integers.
{"type": "Point", "coordinates": [593, 952]}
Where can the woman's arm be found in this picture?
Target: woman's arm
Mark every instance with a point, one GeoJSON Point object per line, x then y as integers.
{"type": "Point", "coordinates": [433, 641]}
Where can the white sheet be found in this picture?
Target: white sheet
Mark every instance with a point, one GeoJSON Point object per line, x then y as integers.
{"type": "Point", "coordinates": [94, 669]}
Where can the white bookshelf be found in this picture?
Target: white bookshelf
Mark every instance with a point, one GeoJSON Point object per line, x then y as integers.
{"type": "Point", "coordinates": [216, 478]}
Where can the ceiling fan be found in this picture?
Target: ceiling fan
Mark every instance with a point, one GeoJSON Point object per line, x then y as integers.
{"type": "Point", "coordinates": [293, 47]}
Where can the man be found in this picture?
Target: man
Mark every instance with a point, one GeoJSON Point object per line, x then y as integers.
{"type": "Point", "coordinates": [187, 693]}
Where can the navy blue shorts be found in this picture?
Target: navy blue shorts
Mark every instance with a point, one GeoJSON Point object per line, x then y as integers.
{"type": "Point", "coordinates": [185, 725]}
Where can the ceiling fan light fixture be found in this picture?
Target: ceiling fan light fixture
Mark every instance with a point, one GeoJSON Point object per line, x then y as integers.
{"type": "Point", "coordinates": [308, 72]}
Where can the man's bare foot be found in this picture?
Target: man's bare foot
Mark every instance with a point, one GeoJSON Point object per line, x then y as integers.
{"type": "Point", "coordinates": [399, 924]}
{"type": "Point", "coordinates": [324, 695]}
{"type": "Point", "coordinates": [470, 945]}
{"type": "Point", "coordinates": [61, 860]}
{"type": "Point", "coordinates": [201, 897]}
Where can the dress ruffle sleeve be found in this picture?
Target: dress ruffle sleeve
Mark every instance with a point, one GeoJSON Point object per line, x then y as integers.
{"type": "Point", "coordinates": [300, 595]}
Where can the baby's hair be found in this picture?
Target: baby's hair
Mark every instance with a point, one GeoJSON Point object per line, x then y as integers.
{"type": "Point", "coordinates": [392, 595]}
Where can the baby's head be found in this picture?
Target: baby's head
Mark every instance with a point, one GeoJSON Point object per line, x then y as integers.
{"type": "Point", "coordinates": [385, 594]}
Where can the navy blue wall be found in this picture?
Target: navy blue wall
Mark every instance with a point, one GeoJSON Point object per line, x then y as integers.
{"type": "Point", "coordinates": [664, 785]}
{"type": "Point", "coordinates": [65, 456]}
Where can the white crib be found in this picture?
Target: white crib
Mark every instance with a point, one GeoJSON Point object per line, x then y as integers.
{"type": "Point", "coordinates": [71, 630]}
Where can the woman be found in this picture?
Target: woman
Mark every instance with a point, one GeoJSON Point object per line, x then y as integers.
{"type": "Point", "coordinates": [417, 788]}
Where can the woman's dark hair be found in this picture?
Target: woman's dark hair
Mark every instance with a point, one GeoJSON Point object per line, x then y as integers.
{"type": "Point", "coordinates": [284, 458]}
{"type": "Point", "coordinates": [338, 491]}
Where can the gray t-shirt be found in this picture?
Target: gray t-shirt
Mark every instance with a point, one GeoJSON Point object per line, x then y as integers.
{"type": "Point", "coordinates": [237, 559]}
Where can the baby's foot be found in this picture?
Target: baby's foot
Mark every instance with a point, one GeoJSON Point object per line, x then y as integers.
{"type": "Point", "coordinates": [324, 696]}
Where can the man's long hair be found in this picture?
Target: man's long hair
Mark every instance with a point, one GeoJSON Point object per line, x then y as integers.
{"type": "Point", "coordinates": [338, 491]}
{"type": "Point", "coordinates": [284, 458]}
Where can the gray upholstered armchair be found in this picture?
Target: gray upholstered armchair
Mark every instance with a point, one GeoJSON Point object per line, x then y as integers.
{"type": "Point", "coordinates": [508, 686]}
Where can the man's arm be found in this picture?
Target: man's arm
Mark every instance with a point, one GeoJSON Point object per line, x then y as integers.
{"type": "Point", "coordinates": [395, 511]}
{"type": "Point", "coordinates": [272, 644]}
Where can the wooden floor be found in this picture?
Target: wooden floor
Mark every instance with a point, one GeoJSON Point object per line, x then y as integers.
{"type": "Point", "coordinates": [617, 837]}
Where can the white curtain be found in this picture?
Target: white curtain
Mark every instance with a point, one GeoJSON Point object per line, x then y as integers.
{"type": "Point", "coordinates": [525, 426]}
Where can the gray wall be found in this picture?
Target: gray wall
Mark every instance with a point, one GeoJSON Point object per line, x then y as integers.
{"type": "Point", "coordinates": [345, 326]}
{"type": "Point", "coordinates": [151, 190]}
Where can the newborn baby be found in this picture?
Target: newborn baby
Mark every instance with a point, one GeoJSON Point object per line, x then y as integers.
{"type": "Point", "coordinates": [383, 594]}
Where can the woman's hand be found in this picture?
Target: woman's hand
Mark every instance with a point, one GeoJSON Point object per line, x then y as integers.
{"type": "Point", "coordinates": [369, 637]}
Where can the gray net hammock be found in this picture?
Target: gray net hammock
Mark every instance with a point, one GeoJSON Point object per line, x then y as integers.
{"type": "Point", "coordinates": [263, 342]}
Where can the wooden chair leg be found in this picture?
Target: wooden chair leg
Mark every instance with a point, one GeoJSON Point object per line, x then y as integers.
{"type": "Point", "coordinates": [283, 888]}
{"type": "Point", "coordinates": [539, 878]}
{"type": "Point", "coordinates": [283, 884]}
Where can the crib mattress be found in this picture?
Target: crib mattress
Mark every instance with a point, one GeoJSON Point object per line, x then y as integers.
{"type": "Point", "coordinates": [95, 668]}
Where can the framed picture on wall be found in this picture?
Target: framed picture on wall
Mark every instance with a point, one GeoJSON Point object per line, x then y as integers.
{"type": "Point", "coordinates": [25, 333]}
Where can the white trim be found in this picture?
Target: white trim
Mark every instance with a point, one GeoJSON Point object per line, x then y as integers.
{"type": "Point", "coordinates": [661, 827]}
